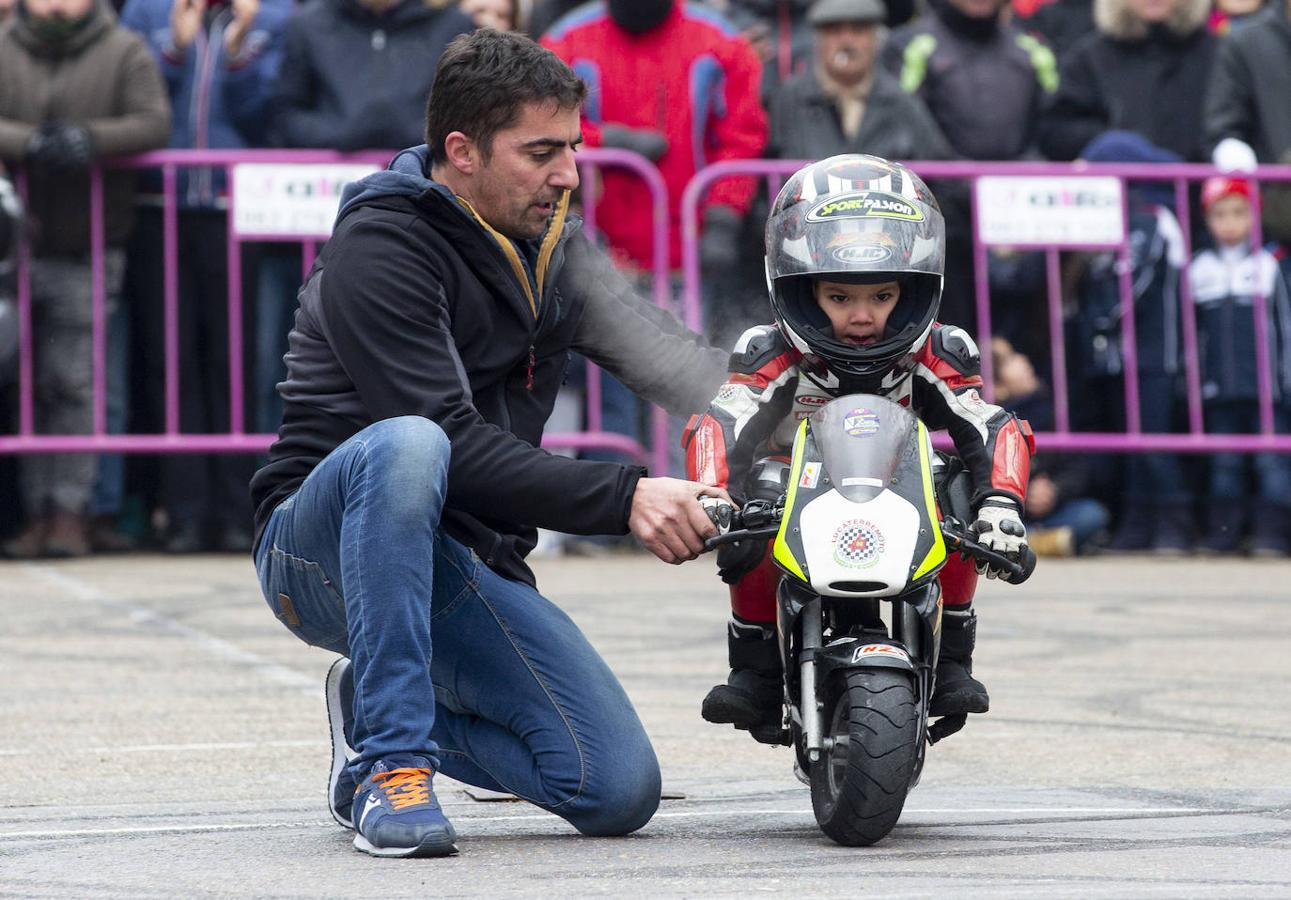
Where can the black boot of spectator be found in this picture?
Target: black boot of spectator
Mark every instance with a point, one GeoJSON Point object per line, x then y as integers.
{"type": "Point", "coordinates": [1222, 527]}
{"type": "Point", "coordinates": [1135, 531]}
{"type": "Point", "coordinates": [1173, 533]}
{"type": "Point", "coordinates": [1269, 534]}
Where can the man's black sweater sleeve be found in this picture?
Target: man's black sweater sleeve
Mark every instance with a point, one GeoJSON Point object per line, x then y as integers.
{"type": "Point", "coordinates": [386, 317]}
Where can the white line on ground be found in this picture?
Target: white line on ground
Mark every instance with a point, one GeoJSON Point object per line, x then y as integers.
{"type": "Point", "coordinates": [84, 590]}
{"type": "Point", "coordinates": [544, 817]}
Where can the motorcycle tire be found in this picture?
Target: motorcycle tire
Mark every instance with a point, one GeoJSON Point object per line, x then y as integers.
{"type": "Point", "coordinates": [859, 786]}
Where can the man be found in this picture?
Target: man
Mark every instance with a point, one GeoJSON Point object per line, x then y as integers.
{"type": "Point", "coordinates": [846, 104]}
{"type": "Point", "coordinates": [74, 87]}
{"type": "Point", "coordinates": [401, 496]}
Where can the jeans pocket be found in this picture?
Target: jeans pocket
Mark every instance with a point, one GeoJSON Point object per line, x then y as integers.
{"type": "Point", "coordinates": [457, 576]}
{"type": "Point", "coordinates": [305, 600]}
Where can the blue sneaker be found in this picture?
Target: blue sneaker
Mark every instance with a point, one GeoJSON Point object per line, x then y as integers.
{"type": "Point", "coordinates": [339, 691]}
{"type": "Point", "coordinates": [396, 812]}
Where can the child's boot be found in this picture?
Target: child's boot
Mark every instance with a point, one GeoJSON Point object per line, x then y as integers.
{"type": "Point", "coordinates": [957, 691]}
{"type": "Point", "coordinates": [753, 694]}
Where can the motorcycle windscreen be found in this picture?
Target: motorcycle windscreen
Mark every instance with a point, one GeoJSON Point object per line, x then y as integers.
{"type": "Point", "coordinates": [862, 535]}
{"type": "Point", "coordinates": [862, 438]}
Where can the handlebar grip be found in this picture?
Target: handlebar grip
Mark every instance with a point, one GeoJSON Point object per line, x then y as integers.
{"type": "Point", "coordinates": [1021, 570]}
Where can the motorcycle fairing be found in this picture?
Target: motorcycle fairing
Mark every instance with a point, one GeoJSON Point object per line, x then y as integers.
{"type": "Point", "coordinates": [879, 520]}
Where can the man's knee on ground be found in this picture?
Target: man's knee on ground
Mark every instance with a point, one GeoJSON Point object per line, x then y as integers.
{"type": "Point", "coordinates": [619, 802]}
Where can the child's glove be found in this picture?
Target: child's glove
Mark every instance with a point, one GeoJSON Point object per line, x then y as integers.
{"type": "Point", "coordinates": [734, 561]}
{"type": "Point", "coordinates": [999, 528]}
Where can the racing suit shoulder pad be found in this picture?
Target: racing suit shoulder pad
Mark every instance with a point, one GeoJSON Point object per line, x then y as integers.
{"type": "Point", "coordinates": [952, 345]}
{"type": "Point", "coordinates": [757, 347]}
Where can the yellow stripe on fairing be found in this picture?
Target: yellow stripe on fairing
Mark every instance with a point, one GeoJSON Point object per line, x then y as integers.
{"type": "Point", "coordinates": [937, 555]}
{"type": "Point", "coordinates": [781, 551]}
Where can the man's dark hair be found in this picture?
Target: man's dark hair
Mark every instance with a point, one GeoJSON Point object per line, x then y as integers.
{"type": "Point", "coordinates": [485, 79]}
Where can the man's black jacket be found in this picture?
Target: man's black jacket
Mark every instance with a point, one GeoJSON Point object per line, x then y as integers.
{"type": "Point", "coordinates": [416, 307]}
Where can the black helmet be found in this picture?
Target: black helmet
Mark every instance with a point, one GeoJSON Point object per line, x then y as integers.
{"type": "Point", "coordinates": [855, 219]}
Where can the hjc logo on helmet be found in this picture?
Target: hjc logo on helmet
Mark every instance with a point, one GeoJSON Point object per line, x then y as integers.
{"type": "Point", "coordinates": [869, 254]}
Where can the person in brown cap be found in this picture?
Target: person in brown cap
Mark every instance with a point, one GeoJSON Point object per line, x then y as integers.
{"type": "Point", "coordinates": [844, 103]}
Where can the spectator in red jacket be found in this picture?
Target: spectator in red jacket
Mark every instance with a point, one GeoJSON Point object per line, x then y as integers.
{"type": "Point", "coordinates": [676, 83]}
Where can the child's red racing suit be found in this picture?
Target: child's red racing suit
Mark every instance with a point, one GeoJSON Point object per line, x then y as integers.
{"type": "Point", "coordinates": [756, 412]}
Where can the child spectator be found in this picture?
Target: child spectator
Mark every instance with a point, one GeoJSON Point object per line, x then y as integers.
{"type": "Point", "coordinates": [1157, 511]}
{"type": "Point", "coordinates": [1061, 519]}
{"type": "Point", "coordinates": [1225, 280]}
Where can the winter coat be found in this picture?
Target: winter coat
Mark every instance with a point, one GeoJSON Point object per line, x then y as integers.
{"type": "Point", "coordinates": [219, 102]}
{"type": "Point", "coordinates": [695, 80]}
{"type": "Point", "coordinates": [378, 97]}
{"type": "Point", "coordinates": [104, 80]}
{"type": "Point", "coordinates": [805, 123]}
{"type": "Point", "coordinates": [1061, 24]}
{"type": "Point", "coordinates": [984, 86]}
{"type": "Point", "coordinates": [1224, 285]}
{"type": "Point", "coordinates": [416, 307]}
{"type": "Point", "coordinates": [1250, 84]}
{"type": "Point", "coordinates": [1156, 263]}
{"type": "Point", "coordinates": [1128, 77]}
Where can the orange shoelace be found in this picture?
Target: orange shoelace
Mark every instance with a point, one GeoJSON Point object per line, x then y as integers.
{"type": "Point", "coordinates": [404, 787]}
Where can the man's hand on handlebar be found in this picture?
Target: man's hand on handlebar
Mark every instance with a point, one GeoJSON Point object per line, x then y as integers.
{"type": "Point", "coordinates": [668, 520]}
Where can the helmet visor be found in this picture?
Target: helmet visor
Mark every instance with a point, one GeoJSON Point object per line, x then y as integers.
{"type": "Point", "coordinates": [858, 232]}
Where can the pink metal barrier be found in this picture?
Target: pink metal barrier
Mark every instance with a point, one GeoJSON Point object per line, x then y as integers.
{"type": "Point", "coordinates": [1062, 438]}
{"type": "Point", "coordinates": [172, 440]}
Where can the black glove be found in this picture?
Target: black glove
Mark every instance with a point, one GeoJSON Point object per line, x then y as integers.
{"type": "Point", "coordinates": [60, 146]}
{"type": "Point", "coordinates": [734, 561]}
{"type": "Point", "coordinates": [649, 143]}
{"type": "Point", "coordinates": [719, 245]}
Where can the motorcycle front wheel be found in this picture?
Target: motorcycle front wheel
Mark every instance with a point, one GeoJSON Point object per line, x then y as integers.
{"type": "Point", "coordinates": [859, 785]}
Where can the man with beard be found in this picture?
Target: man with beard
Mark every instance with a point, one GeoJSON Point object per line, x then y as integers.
{"type": "Point", "coordinates": [407, 482]}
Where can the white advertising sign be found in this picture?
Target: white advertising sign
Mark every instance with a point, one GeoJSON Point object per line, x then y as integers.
{"type": "Point", "coordinates": [1063, 211]}
{"type": "Point", "coordinates": [285, 199]}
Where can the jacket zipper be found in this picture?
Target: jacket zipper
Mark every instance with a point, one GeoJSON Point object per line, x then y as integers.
{"type": "Point", "coordinates": [528, 380]}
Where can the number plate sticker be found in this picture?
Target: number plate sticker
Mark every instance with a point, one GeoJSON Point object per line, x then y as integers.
{"type": "Point", "coordinates": [879, 650]}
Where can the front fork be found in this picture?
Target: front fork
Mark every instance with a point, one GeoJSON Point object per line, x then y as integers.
{"type": "Point", "coordinates": [915, 627]}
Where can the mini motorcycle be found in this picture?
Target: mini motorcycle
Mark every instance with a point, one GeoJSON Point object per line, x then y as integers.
{"type": "Point", "coordinates": [860, 537]}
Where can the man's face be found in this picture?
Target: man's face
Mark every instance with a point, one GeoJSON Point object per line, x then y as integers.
{"type": "Point", "coordinates": [978, 9]}
{"type": "Point", "coordinates": [846, 49]}
{"type": "Point", "coordinates": [1229, 220]}
{"type": "Point", "coordinates": [530, 165]}
{"type": "Point", "coordinates": [71, 10]}
{"type": "Point", "coordinates": [1152, 11]}
{"type": "Point", "coordinates": [858, 313]}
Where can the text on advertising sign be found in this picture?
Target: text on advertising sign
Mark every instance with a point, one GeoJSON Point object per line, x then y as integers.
{"type": "Point", "coordinates": [1063, 211]}
{"type": "Point", "coordinates": [274, 199]}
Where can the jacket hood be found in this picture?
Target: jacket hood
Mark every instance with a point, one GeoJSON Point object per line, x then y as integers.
{"type": "Point", "coordinates": [1115, 19]}
{"type": "Point", "coordinates": [98, 21]}
{"type": "Point", "coordinates": [405, 177]}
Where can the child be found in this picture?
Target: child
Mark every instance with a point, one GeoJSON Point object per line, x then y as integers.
{"type": "Point", "coordinates": [1061, 518]}
{"type": "Point", "coordinates": [855, 253]}
{"type": "Point", "coordinates": [1224, 282]}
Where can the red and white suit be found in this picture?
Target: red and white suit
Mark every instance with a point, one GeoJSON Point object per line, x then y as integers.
{"type": "Point", "coordinates": [756, 413]}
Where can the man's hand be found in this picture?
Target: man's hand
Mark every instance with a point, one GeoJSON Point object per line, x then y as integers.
{"type": "Point", "coordinates": [185, 21]}
{"type": "Point", "coordinates": [999, 528]}
{"type": "Point", "coordinates": [649, 143]}
{"type": "Point", "coordinates": [60, 146]}
{"type": "Point", "coordinates": [719, 243]}
{"type": "Point", "coordinates": [667, 518]}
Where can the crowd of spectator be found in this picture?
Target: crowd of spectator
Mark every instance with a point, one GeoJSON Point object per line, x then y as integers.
{"type": "Point", "coordinates": [684, 84]}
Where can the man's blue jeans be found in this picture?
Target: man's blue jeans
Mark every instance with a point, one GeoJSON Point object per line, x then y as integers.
{"type": "Point", "coordinates": [514, 698]}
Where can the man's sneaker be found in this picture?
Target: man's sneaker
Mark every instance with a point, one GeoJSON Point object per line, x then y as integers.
{"type": "Point", "coordinates": [340, 697]}
{"type": "Point", "coordinates": [396, 813]}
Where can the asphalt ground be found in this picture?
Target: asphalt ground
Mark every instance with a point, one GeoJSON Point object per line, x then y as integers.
{"type": "Point", "coordinates": [164, 736]}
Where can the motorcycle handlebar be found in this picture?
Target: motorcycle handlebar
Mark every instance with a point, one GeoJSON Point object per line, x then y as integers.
{"type": "Point", "coordinates": [759, 520]}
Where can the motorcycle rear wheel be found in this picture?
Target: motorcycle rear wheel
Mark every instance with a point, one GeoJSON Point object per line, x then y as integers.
{"type": "Point", "coordinates": [859, 786]}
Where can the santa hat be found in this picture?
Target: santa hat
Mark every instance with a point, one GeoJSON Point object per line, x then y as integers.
{"type": "Point", "coordinates": [1221, 186]}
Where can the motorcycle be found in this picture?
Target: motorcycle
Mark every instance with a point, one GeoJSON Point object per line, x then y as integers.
{"type": "Point", "coordinates": [857, 534]}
